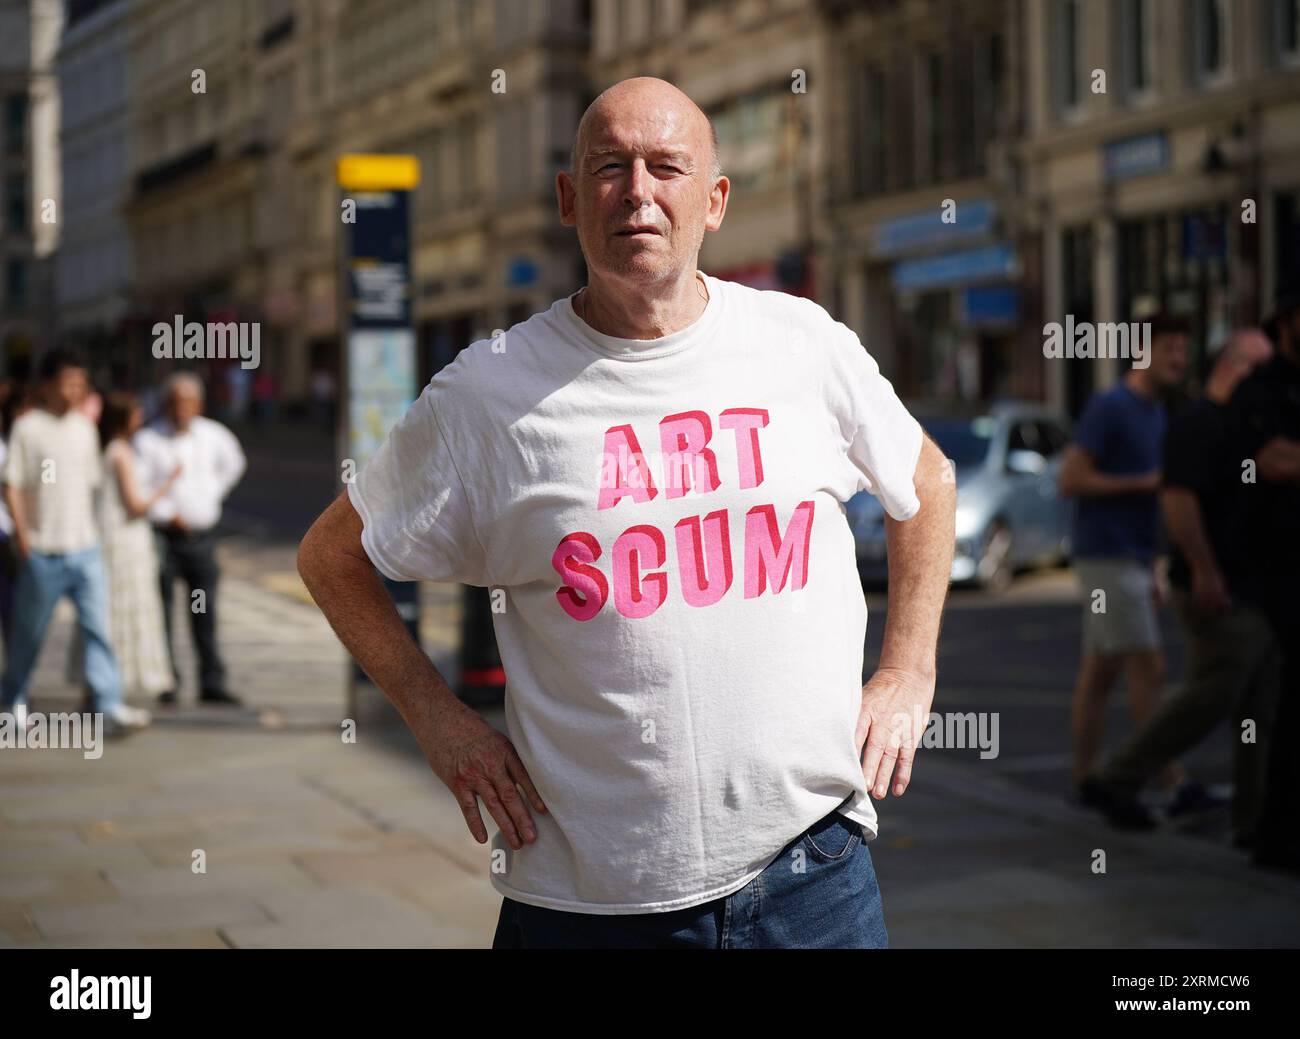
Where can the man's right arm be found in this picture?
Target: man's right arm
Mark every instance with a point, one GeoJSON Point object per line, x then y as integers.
{"type": "Point", "coordinates": [14, 476]}
{"type": "Point", "coordinates": [15, 499]}
{"type": "Point", "coordinates": [1080, 478]}
{"type": "Point", "coordinates": [470, 756]}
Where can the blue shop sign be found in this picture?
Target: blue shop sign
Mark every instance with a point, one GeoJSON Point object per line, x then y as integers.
{"type": "Point", "coordinates": [990, 305]}
{"type": "Point", "coordinates": [973, 218]}
{"type": "Point", "coordinates": [521, 272]}
{"type": "Point", "coordinates": [949, 270]}
{"type": "Point", "coordinates": [1136, 156]}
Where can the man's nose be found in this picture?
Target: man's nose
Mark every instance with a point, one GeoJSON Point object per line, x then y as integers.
{"type": "Point", "coordinates": [640, 185]}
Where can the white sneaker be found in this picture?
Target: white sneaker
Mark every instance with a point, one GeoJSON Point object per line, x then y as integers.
{"type": "Point", "coordinates": [127, 717]}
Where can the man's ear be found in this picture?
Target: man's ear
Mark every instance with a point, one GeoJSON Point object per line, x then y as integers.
{"type": "Point", "coordinates": [565, 196]}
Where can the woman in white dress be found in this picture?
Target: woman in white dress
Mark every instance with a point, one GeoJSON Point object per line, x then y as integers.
{"type": "Point", "coordinates": [126, 539]}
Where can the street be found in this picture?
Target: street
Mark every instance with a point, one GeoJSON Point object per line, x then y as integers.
{"type": "Point", "coordinates": [308, 840]}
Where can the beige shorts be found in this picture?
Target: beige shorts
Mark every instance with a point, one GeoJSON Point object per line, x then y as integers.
{"type": "Point", "coordinates": [1119, 606]}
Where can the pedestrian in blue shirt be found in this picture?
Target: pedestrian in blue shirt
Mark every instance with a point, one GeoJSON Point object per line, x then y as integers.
{"type": "Point", "coordinates": [1113, 470]}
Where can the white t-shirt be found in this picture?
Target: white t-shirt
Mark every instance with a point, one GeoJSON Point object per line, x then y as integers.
{"type": "Point", "coordinates": [55, 460]}
{"type": "Point", "coordinates": [683, 650]}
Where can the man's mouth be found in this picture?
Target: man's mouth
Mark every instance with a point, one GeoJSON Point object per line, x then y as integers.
{"type": "Point", "coordinates": [633, 232]}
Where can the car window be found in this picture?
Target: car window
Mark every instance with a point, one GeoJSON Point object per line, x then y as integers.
{"type": "Point", "coordinates": [965, 441]}
{"type": "Point", "coordinates": [1025, 437]}
{"type": "Point", "coordinates": [1054, 438]}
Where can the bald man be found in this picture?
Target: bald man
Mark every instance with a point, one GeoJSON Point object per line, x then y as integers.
{"type": "Point", "coordinates": [651, 476]}
{"type": "Point", "coordinates": [1233, 659]}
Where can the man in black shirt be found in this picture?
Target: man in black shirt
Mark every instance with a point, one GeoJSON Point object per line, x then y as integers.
{"type": "Point", "coordinates": [1265, 416]}
{"type": "Point", "coordinates": [1233, 660]}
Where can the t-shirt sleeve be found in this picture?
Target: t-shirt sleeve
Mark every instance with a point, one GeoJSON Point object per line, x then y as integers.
{"type": "Point", "coordinates": [883, 438]}
{"type": "Point", "coordinates": [418, 524]}
{"type": "Point", "coordinates": [1093, 427]}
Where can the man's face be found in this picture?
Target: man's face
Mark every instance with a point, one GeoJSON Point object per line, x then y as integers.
{"type": "Point", "coordinates": [642, 195]}
{"type": "Point", "coordinates": [183, 405]}
{"type": "Point", "coordinates": [1169, 358]}
{"type": "Point", "coordinates": [69, 388]}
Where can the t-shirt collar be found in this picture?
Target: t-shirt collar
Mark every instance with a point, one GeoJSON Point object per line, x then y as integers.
{"type": "Point", "coordinates": [646, 349]}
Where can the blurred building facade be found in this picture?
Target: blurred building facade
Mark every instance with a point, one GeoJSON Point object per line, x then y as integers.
{"type": "Point", "coordinates": [29, 176]}
{"type": "Point", "coordinates": [94, 271]}
{"type": "Point", "coordinates": [1173, 183]}
{"type": "Point", "coordinates": [928, 258]}
{"type": "Point", "coordinates": [197, 144]}
{"type": "Point", "coordinates": [239, 112]}
{"type": "Point", "coordinates": [944, 178]}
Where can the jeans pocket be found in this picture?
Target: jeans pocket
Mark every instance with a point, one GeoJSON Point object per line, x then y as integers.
{"type": "Point", "coordinates": [832, 838]}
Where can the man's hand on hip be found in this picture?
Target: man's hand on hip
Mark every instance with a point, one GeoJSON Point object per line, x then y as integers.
{"type": "Point", "coordinates": [895, 707]}
{"type": "Point", "coordinates": [475, 760]}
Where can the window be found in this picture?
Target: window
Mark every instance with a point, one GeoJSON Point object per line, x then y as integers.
{"type": "Point", "coordinates": [1051, 438]}
{"type": "Point", "coordinates": [1067, 50]}
{"type": "Point", "coordinates": [934, 117]}
{"type": "Point", "coordinates": [986, 95]}
{"type": "Point", "coordinates": [992, 74]}
{"type": "Point", "coordinates": [1211, 22]}
{"type": "Point", "coordinates": [1286, 30]}
{"type": "Point", "coordinates": [1133, 23]}
{"type": "Point", "coordinates": [869, 144]}
{"type": "Point", "coordinates": [16, 123]}
{"type": "Point", "coordinates": [1025, 436]}
{"type": "Point", "coordinates": [16, 284]}
{"type": "Point", "coordinates": [16, 202]}
{"type": "Point", "coordinates": [468, 171]}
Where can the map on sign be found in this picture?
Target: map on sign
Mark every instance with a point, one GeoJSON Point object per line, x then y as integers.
{"type": "Point", "coordinates": [381, 380]}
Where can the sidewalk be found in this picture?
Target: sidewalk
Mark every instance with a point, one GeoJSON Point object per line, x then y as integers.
{"type": "Point", "coordinates": [313, 842]}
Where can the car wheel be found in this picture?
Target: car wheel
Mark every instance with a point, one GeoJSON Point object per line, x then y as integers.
{"type": "Point", "coordinates": [994, 572]}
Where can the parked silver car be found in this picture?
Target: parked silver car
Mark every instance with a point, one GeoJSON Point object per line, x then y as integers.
{"type": "Point", "coordinates": [1009, 513]}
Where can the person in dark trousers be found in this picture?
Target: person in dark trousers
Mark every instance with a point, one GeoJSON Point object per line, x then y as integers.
{"type": "Point", "coordinates": [185, 518]}
{"type": "Point", "coordinates": [1265, 412]}
{"type": "Point", "coordinates": [1233, 660]}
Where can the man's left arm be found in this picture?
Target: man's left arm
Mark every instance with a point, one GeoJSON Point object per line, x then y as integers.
{"type": "Point", "coordinates": [230, 461]}
{"type": "Point", "coordinates": [896, 701]}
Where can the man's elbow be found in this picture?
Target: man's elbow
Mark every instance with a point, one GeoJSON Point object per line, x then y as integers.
{"type": "Point", "coordinates": [937, 487]}
{"type": "Point", "coordinates": [311, 550]}
{"type": "Point", "coordinates": [334, 539]}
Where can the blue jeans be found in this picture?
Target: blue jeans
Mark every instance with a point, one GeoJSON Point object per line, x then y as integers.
{"type": "Point", "coordinates": [42, 581]}
{"type": "Point", "coordinates": [818, 893]}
